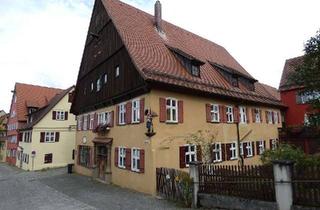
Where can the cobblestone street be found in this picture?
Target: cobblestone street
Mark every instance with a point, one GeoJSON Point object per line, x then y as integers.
{"type": "Point", "coordinates": [55, 189]}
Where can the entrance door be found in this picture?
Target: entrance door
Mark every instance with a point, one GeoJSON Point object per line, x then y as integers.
{"type": "Point", "coordinates": [101, 161]}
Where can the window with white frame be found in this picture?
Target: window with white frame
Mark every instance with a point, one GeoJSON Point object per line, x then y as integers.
{"type": "Point", "coordinates": [136, 111]}
{"type": "Point", "coordinates": [91, 121]}
{"type": "Point", "coordinates": [249, 149]}
{"type": "Point", "coordinates": [49, 136]}
{"type": "Point", "coordinates": [27, 136]}
{"type": "Point", "coordinates": [243, 114]}
{"type": "Point", "coordinates": [79, 122]}
{"type": "Point", "coordinates": [101, 118]}
{"type": "Point", "coordinates": [172, 110]}
{"type": "Point", "coordinates": [233, 151]}
{"type": "Point", "coordinates": [135, 159]}
{"type": "Point", "coordinates": [98, 84]}
{"type": "Point", "coordinates": [229, 113]}
{"type": "Point", "coordinates": [257, 115]}
{"type": "Point", "coordinates": [108, 117]}
{"type": "Point", "coordinates": [215, 113]}
{"type": "Point", "coordinates": [85, 122]}
{"type": "Point", "coordinates": [217, 152]}
{"type": "Point", "coordinates": [241, 149]}
{"type": "Point", "coordinates": [275, 118]}
{"type": "Point", "coordinates": [117, 71]}
{"type": "Point", "coordinates": [261, 146]}
{"type": "Point", "coordinates": [269, 113]}
{"type": "Point", "coordinates": [60, 115]}
{"type": "Point", "coordinates": [274, 144]}
{"type": "Point", "coordinates": [122, 114]}
{"type": "Point", "coordinates": [190, 154]}
{"type": "Point", "coordinates": [122, 157]}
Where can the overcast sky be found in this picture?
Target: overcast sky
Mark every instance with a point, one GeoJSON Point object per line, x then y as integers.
{"type": "Point", "coordinates": [41, 41]}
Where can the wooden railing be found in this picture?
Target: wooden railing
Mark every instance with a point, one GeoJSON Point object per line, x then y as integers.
{"type": "Point", "coordinates": [306, 186]}
{"type": "Point", "coordinates": [251, 182]}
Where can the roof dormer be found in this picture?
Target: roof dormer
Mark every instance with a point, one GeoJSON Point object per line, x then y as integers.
{"type": "Point", "coordinates": [191, 63]}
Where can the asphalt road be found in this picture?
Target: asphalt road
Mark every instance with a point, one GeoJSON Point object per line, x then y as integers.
{"type": "Point", "coordinates": [55, 189]}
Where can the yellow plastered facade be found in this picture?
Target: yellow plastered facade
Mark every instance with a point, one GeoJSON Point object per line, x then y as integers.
{"type": "Point", "coordinates": [162, 150]}
{"type": "Point", "coordinates": [61, 151]}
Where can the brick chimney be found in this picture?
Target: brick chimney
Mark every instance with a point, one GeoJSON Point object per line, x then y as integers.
{"type": "Point", "coordinates": [158, 16]}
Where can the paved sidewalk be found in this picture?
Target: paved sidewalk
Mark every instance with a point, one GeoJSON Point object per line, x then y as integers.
{"type": "Point", "coordinates": [55, 189]}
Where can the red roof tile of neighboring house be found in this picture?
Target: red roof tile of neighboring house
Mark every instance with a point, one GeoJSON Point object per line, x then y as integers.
{"type": "Point", "coordinates": [32, 96]}
{"type": "Point", "coordinates": [39, 114]}
{"type": "Point", "coordinates": [151, 54]}
{"type": "Point", "coordinates": [274, 92]}
{"type": "Point", "coordinates": [289, 67]}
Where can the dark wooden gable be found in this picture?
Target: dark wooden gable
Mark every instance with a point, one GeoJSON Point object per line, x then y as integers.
{"type": "Point", "coordinates": [103, 52]}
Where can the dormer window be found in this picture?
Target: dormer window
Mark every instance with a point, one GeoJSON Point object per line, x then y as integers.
{"type": "Point", "coordinates": [234, 81]}
{"type": "Point", "coordinates": [191, 63]}
{"type": "Point", "coordinates": [195, 70]}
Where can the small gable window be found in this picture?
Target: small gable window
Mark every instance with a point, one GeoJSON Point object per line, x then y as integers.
{"type": "Point", "coordinates": [98, 85]}
{"type": "Point", "coordinates": [195, 70]}
{"type": "Point", "coordinates": [117, 71]}
{"type": "Point", "coordinates": [105, 78]}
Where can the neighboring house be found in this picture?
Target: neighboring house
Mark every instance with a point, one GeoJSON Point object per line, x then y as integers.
{"type": "Point", "coordinates": [3, 135]}
{"type": "Point", "coordinates": [143, 83]}
{"type": "Point", "coordinates": [48, 138]}
{"type": "Point", "coordinates": [298, 110]}
{"type": "Point", "coordinates": [25, 100]}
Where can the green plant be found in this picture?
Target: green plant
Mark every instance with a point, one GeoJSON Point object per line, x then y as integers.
{"type": "Point", "coordinates": [185, 184]}
{"type": "Point", "coordinates": [289, 152]}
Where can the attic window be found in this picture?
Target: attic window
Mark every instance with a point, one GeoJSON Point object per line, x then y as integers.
{"type": "Point", "coordinates": [234, 81]}
{"type": "Point", "coordinates": [191, 63]}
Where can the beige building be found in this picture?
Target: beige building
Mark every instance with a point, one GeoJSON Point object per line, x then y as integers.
{"type": "Point", "coordinates": [145, 84]}
{"type": "Point", "coordinates": [48, 139]}
{"type": "Point", "coordinates": [3, 135]}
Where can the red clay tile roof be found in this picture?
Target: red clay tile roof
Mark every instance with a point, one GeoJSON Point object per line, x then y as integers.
{"type": "Point", "coordinates": [289, 67]}
{"type": "Point", "coordinates": [40, 113]}
{"type": "Point", "coordinates": [31, 95]}
{"type": "Point", "coordinates": [274, 92]}
{"type": "Point", "coordinates": [151, 54]}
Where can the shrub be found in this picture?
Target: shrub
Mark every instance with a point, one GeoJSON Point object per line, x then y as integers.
{"type": "Point", "coordinates": [289, 152]}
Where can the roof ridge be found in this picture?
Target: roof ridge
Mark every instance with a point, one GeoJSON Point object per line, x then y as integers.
{"type": "Point", "coordinates": [39, 86]}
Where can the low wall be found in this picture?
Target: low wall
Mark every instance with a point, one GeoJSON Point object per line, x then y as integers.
{"type": "Point", "coordinates": [230, 202]}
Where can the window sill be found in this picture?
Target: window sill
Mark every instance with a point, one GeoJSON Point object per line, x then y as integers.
{"type": "Point", "coordinates": [215, 122]}
{"type": "Point", "coordinates": [233, 158]}
{"type": "Point", "coordinates": [249, 156]}
{"type": "Point", "coordinates": [138, 122]}
{"type": "Point", "coordinates": [171, 122]}
{"type": "Point", "coordinates": [136, 170]}
{"type": "Point", "coordinates": [121, 167]}
{"type": "Point", "coordinates": [121, 124]}
{"type": "Point", "coordinates": [217, 161]}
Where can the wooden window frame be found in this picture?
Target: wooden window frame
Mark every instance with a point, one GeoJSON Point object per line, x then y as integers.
{"type": "Point", "coordinates": [189, 153]}
{"type": "Point", "coordinates": [261, 147]}
{"type": "Point", "coordinates": [249, 149]}
{"type": "Point", "coordinates": [172, 108]}
{"type": "Point", "coordinates": [243, 114]}
{"type": "Point", "coordinates": [51, 159]}
{"type": "Point", "coordinates": [214, 112]}
{"type": "Point", "coordinates": [233, 151]}
{"type": "Point", "coordinates": [122, 114]}
{"type": "Point", "coordinates": [257, 115]}
{"type": "Point", "coordinates": [85, 122]}
{"type": "Point", "coordinates": [217, 152]}
{"type": "Point", "coordinates": [99, 85]}
{"type": "Point", "coordinates": [135, 159]}
{"type": "Point", "coordinates": [269, 117]}
{"type": "Point", "coordinates": [122, 157]}
{"type": "Point", "coordinates": [48, 134]}
{"type": "Point", "coordinates": [91, 121]}
{"type": "Point", "coordinates": [229, 114]}
{"type": "Point", "coordinates": [60, 115]}
{"type": "Point", "coordinates": [85, 163]}
{"type": "Point", "coordinates": [135, 113]}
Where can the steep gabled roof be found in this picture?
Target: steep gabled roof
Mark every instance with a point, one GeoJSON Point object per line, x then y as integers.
{"type": "Point", "coordinates": [289, 67]}
{"type": "Point", "coordinates": [32, 96]}
{"type": "Point", "coordinates": [39, 114]}
{"type": "Point", "coordinates": [150, 52]}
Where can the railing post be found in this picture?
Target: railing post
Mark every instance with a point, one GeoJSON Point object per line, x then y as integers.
{"type": "Point", "coordinates": [194, 174]}
{"type": "Point", "coordinates": [282, 170]}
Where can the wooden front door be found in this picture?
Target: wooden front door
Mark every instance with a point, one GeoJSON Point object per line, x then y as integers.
{"type": "Point", "coordinates": [101, 161]}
